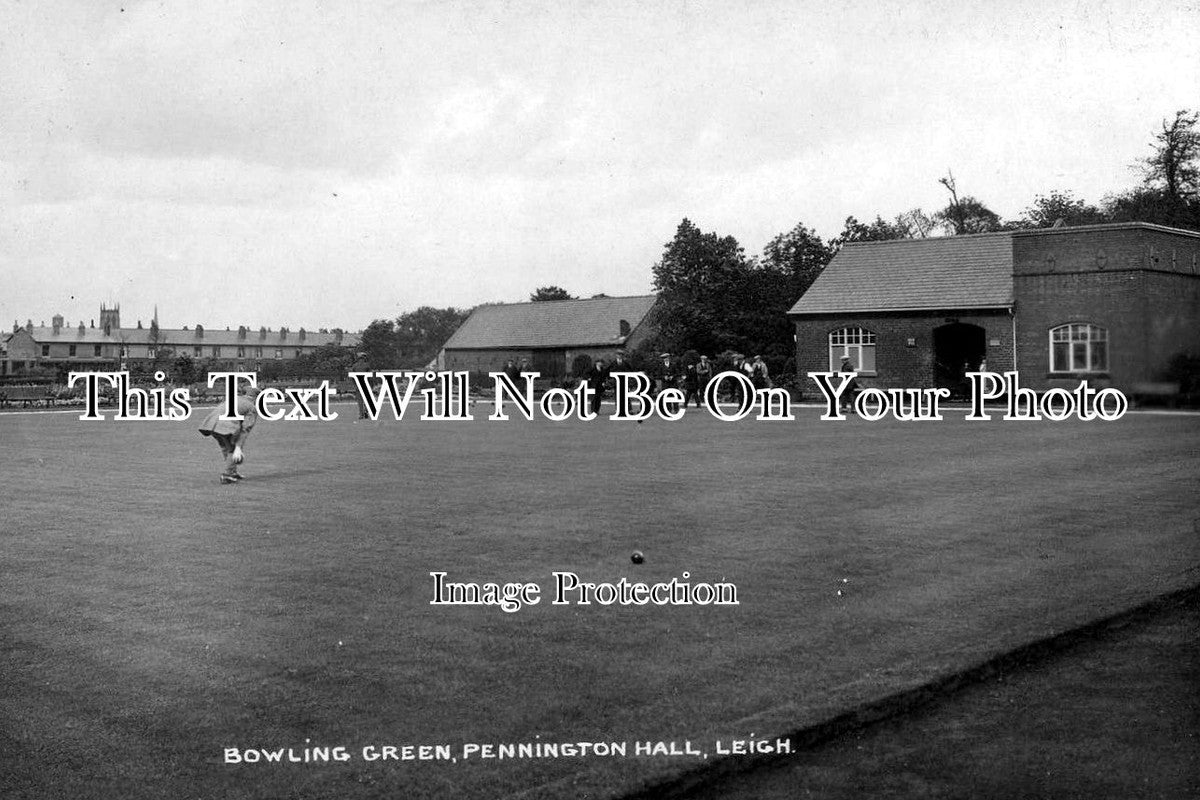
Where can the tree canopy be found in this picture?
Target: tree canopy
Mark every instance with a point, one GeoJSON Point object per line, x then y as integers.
{"type": "Point", "coordinates": [1172, 168]}
{"type": "Point", "coordinates": [697, 281]}
{"type": "Point", "coordinates": [550, 293]}
{"type": "Point", "coordinates": [712, 298]}
{"type": "Point", "coordinates": [421, 334]}
{"type": "Point", "coordinates": [378, 343]}
{"type": "Point", "coordinates": [1047, 210]}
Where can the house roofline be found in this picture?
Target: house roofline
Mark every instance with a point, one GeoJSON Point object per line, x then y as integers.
{"type": "Point", "coordinates": [1107, 226]}
{"type": "Point", "coordinates": [901, 309]}
{"type": "Point", "coordinates": [1103, 226]}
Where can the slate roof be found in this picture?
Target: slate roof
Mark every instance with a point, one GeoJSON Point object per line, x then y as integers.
{"type": "Point", "coordinates": [177, 337]}
{"type": "Point", "coordinates": [551, 323]}
{"type": "Point", "coordinates": [945, 272]}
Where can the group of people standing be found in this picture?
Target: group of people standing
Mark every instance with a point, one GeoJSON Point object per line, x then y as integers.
{"type": "Point", "coordinates": [671, 373]}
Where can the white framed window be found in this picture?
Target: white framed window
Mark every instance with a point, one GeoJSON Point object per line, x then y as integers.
{"type": "Point", "coordinates": [279, 352]}
{"type": "Point", "coordinates": [1079, 347]}
{"type": "Point", "coordinates": [857, 344]}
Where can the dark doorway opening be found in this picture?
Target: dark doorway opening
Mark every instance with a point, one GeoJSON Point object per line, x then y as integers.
{"type": "Point", "coordinates": [550, 363]}
{"type": "Point", "coordinates": [958, 348]}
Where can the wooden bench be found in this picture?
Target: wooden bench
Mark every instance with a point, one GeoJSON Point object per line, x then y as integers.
{"type": "Point", "coordinates": [1155, 391]}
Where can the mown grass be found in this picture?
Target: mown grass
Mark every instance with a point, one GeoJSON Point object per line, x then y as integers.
{"type": "Point", "coordinates": [150, 617]}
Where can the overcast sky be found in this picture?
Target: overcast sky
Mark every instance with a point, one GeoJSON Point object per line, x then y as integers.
{"type": "Point", "coordinates": [271, 163]}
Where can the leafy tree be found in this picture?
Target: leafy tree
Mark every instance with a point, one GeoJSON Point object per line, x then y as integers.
{"type": "Point", "coordinates": [271, 370]}
{"type": "Point", "coordinates": [712, 298]}
{"type": "Point", "coordinates": [184, 370]}
{"type": "Point", "coordinates": [1171, 178]}
{"type": "Point", "coordinates": [378, 342]}
{"type": "Point", "coordinates": [878, 231]}
{"type": "Point", "coordinates": [914, 224]}
{"type": "Point", "coordinates": [550, 293]}
{"type": "Point", "coordinates": [800, 255]}
{"type": "Point", "coordinates": [1173, 167]}
{"type": "Point", "coordinates": [420, 334]}
{"type": "Point", "coordinates": [1146, 204]}
{"type": "Point", "coordinates": [968, 215]}
{"type": "Point", "coordinates": [965, 214]}
{"type": "Point", "coordinates": [327, 361]}
{"type": "Point", "coordinates": [164, 359]}
{"type": "Point", "coordinates": [1059, 205]}
{"type": "Point", "coordinates": [698, 281]}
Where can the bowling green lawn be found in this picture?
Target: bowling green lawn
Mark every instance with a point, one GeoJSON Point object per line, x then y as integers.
{"type": "Point", "coordinates": [153, 620]}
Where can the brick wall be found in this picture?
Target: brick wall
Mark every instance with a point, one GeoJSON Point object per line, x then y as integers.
{"type": "Point", "coordinates": [484, 360]}
{"type": "Point", "coordinates": [493, 360]}
{"type": "Point", "coordinates": [1066, 250]}
{"type": "Point", "coordinates": [1141, 284]}
{"type": "Point", "coordinates": [898, 363]}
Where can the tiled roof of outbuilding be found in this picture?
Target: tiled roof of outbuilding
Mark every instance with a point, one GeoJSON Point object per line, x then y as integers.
{"type": "Point", "coordinates": [915, 274]}
{"type": "Point", "coordinates": [552, 323]}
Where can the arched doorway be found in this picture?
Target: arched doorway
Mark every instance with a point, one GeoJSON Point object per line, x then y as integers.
{"type": "Point", "coordinates": [958, 348]}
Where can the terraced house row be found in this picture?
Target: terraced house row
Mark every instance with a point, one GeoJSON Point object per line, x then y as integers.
{"type": "Point", "coordinates": [110, 345]}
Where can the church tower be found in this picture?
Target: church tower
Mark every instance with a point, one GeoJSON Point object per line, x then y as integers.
{"type": "Point", "coordinates": [110, 318]}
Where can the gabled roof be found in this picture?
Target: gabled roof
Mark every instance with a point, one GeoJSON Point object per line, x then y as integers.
{"type": "Point", "coordinates": [945, 272]}
{"type": "Point", "coordinates": [552, 323]}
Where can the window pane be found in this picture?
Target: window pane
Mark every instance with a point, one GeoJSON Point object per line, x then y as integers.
{"type": "Point", "coordinates": [1100, 356]}
{"type": "Point", "coordinates": [1058, 357]}
{"type": "Point", "coordinates": [867, 360]}
{"type": "Point", "coordinates": [1079, 356]}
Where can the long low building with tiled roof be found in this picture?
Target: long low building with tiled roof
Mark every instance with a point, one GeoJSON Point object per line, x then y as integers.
{"type": "Point", "coordinates": [549, 334]}
{"type": "Point", "coordinates": [1113, 304]}
{"type": "Point", "coordinates": [88, 347]}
